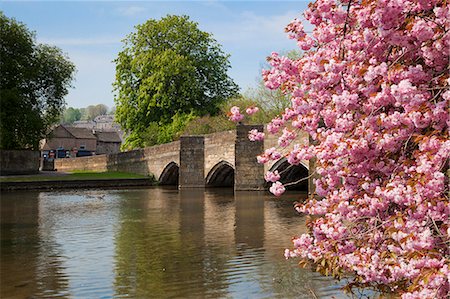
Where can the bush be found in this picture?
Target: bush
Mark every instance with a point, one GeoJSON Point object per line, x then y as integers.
{"type": "Point", "coordinates": [211, 124]}
{"type": "Point", "coordinates": [156, 133]}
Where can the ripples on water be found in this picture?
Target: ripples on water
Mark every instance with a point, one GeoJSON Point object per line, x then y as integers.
{"type": "Point", "coordinates": [153, 243]}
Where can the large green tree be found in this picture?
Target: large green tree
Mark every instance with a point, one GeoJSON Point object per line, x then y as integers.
{"type": "Point", "coordinates": [33, 82]}
{"type": "Point", "coordinates": [168, 67]}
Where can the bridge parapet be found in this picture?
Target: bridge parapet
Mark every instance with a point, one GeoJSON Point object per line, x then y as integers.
{"type": "Point", "coordinates": [158, 157]}
{"type": "Point", "coordinates": [219, 148]}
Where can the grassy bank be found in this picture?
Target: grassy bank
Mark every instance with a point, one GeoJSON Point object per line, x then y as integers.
{"type": "Point", "coordinates": [74, 176]}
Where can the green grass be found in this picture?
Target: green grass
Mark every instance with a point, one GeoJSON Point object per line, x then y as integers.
{"type": "Point", "coordinates": [77, 175]}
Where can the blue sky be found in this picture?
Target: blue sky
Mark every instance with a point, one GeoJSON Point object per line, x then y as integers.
{"type": "Point", "coordinates": [91, 33]}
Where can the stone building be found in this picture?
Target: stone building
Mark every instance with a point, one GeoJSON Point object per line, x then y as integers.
{"type": "Point", "coordinates": [87, 124]}
{"type": "Point", "coordinates": [65, 141]}
{"type": "Point", "coordinates": [100, 123]}
{"type": "Point", "coordinates": [106, 123]}
{"type": "Point", "coordinates": [69, 142]}
{"type": "Point", "coordinates": [107, 142]}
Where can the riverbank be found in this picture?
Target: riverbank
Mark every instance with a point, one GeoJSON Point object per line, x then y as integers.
{"type": "Point", "coordinates": [76, 180]}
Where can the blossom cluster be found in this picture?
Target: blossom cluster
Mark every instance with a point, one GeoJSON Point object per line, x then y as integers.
{"type": "Point", "coordinates": [372, 89]}
{"type": "Point", "coordinates": [255, 135]}
{"type": "Point", "coordinates": [235, 113]}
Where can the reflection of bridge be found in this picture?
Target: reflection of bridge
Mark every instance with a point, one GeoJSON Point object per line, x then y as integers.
{"type": "Point", "coordinates": [222, 159]}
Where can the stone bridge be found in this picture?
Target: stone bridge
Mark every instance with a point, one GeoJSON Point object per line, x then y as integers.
{"type": "Point", "coordinates": [223, 159]}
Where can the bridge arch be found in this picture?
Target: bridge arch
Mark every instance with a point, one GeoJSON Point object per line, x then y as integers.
{"type": "Point", "coordinates": [292, 173]}
{"type": "Point", "coordinates": [169, 176]}
{"type": "Point", "coordinates": [221, 175]}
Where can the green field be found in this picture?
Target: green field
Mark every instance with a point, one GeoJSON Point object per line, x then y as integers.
{"type": "Point", "coordinates": [82, 175]}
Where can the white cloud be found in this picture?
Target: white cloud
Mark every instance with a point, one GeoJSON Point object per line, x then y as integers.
{"type": "Point", "coordinates": [250, 38]}
{"type": "Point", "coordinates": [253, 29]}
{"type": "Point", "coordinates": [131, 11]}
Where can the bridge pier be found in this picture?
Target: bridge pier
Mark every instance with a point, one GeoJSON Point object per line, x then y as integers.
{"type": "Point", "coordinates": [248, 173]}
{"type": "Point", "coordinates": [192, 162]}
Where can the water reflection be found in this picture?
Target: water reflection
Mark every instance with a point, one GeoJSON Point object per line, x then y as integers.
{"type": "Point", "coordinates": [30, 257]}
{"type": "Point", "coordinates": [153, 243]}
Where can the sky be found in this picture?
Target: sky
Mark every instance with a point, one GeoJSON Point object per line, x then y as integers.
{"type": "Point", "coordinates": [91, 34]}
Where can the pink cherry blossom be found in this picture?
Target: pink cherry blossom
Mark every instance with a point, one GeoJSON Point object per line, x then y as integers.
{"type": "Point", "coordinates": [235, 114]}
{"type": "Point", "coordinates": [262, 159]}
{"type": "Point", "coordinates": [252, 110]}
{"type": "Point", "coordinates": [234, 109]}
{"type": "Point", "coordinates": [273, 154]}
{"type": "Point", "coordinates": [254, 135]}
{"type": "Point", "coordinates": [372, 90]}
{"type": "Point", "coordinates": [287, 137]}
{"type": "Point", "coordinates": [277, 189]}
{"type": "Point", "coordinates": [237, 117]}
{"type": "Point", "coordinates": [275, 125]}
{"type": "Point", "coordinates": [272, 176]}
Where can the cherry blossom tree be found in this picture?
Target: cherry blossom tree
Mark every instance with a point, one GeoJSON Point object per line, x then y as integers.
{"type": "Point", "coordinates": [372, 91]}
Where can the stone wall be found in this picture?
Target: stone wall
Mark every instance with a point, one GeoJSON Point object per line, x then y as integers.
{"type": "Point", "coordinates": [75, 184]}
{"type": "Point", "coordinates": [147, 161]}
{"type": "Point", "coordinates": [131, 161]}
{"type": "Point", "coordinates": [219, 147]}
{"type": "Point", "coordinates": [158, 157]}
{"type": "Point", "coordinates": [91, 163]}
{"type": "Point", "coordinates": [107, 148]}
{"type": "Point", "coordinates": [14, 162]}
{"type": "Point", "coordinates": [248, 173]}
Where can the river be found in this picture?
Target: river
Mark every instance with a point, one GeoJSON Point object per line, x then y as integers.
{"type": "Point", "coordinates": [153, 243]}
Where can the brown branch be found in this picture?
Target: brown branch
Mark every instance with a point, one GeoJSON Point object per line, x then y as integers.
{"type": "Point", "coordinates": [300, 180]}
{"type": "Point", "coordinates": [345, 28]}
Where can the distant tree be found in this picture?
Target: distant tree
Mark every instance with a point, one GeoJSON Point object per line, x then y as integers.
{"type": "Point", "coordinates": [71, 115]}
{"type": "Point", "coordinates": [33, 82]}
{"type": "Point", "coordinates": [92, 111]}
{"type": "Point", "coordinates": [273, 101]}
{"type": "Point", "coordinates": [83, 112]}
{"type": "Point", "coordinates": [112, 111]}
{"type": "Point", "coordinates": [101, 109]}
{"type": "Point", "coordinates": [169, 67]}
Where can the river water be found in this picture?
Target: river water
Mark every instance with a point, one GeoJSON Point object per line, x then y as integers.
{"type": "Point", "coordinates": [153, 243]}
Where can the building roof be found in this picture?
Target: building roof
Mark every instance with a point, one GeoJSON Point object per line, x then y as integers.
{"type": "Point", "coordinates": [108, 136]}
{"type": "Point", "coordinates": [104, 118]}
{"type": "Point", "coordinates": [80, 133]}
{"type": "Point", "coordinates": [84, 124]}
